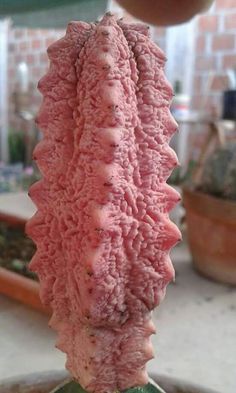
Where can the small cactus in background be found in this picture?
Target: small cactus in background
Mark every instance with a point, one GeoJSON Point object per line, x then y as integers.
{"type": "Point", "coordinates": [219, 173]}
{"type": "Point", "coordinates": [230, 179]}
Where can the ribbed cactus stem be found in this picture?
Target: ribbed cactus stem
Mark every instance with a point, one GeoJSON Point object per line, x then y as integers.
{"type": "Point", "coordinates": [102, 229]}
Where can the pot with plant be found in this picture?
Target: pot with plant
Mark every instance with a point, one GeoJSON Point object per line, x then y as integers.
{"type": "Point", "coordinates": [16, 281]}
{"type": "Point", "coordinates": [211, 216]}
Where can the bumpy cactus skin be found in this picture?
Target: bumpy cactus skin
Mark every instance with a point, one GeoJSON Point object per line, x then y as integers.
{"type": "Point", "coordinates": [102, 229]}
{"type": "Point", "coordinates": [219, 172]}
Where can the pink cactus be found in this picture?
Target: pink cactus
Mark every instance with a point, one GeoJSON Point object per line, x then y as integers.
{"type": "Point", "coordinates": [102, 229]}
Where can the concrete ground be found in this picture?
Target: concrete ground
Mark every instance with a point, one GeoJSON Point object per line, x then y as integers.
{"type": "Point", "coordinates": [196, 337]}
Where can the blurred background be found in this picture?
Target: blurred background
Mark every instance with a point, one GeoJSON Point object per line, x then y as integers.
{"type": "Point", "coordinates": [196, 338]}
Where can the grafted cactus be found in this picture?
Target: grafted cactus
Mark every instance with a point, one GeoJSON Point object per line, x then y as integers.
{"type": "Point", "coordinates": [102, 229]}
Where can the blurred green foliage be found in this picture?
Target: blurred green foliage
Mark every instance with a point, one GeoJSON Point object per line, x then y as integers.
{"type": "Point", "coordinates": [180, 177]}
{"type": "Point", "coordinates": [219, 172]}
{"type": "Point", "coordinates": [16, 146]}
{"type": "Point", "coordinates": [16, 250]}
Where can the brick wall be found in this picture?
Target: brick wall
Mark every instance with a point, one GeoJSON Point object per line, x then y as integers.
{"type": "Point", "coordinates": [28, 45]}
{"type": "Point", "coordinates": [215, 43]}
{"type": "Point", "coordinates": [215, 52]}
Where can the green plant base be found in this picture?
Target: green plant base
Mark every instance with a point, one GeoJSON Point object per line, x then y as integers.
{"type": "Point", "coordinates": [74, 387]}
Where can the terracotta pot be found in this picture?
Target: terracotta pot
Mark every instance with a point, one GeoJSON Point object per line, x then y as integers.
{"type": "Point", "coordinates": [15, 285]}
{"type": "Point", "coordinates": [211, 231]}
{"type": "Point", "coordinates": [45, 382]}
{"type": "Point", "coordinates": [22, 289]}
{"type": "Point", "coordinates": [164, 13]}
{"type": "Point", "coordinates": [12, 220]}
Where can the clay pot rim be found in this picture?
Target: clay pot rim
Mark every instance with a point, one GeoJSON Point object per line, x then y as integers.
{"type": "Point", "coordinates": [50, 379]}
{"type": "Point", "coordinates": [169, 383]}
{"type": "Point", "coordinates": [22, 289]}
{"type": "Point", "coordinates": [216, 209]}
{"type": "Point", "coordinates": [192, 191]}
